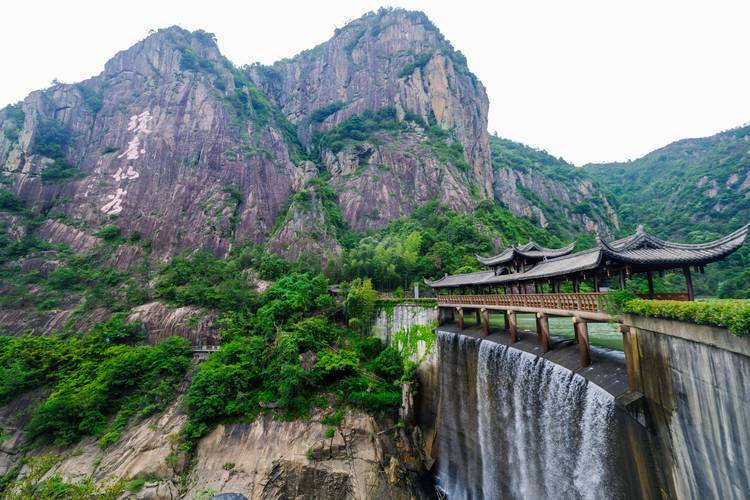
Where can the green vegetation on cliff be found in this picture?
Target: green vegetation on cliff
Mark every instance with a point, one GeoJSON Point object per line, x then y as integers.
{"type": "Point", "coordinates": [436, 240]}
{"type": "Point", "coordinates": [91, 378]}
{"type": "Point", "coordinates": [694, 190]}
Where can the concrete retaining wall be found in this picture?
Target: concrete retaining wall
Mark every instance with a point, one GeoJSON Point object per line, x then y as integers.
{"type": "Point", "coordinates": [696, 384]}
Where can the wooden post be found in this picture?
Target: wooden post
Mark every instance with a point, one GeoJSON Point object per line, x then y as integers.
{"type": "Point", "coordinates": [505, 321]}
{"type": "Point", "coordinates": [596, 281]}
{"type": "Point", "coordinates": [486, 321]}
{"type": "Point", "coordinates": [543, 323]}
{"type": "Point", "coordinates": [622, 279]}
{"type": "Point", "coordinates": [513, 326]}
{"type": "Point", "coordinates": [582, 336]}
{"type": "Point", "coordinates": [689, 282]}
{"type": "Point", "coordinates": [575, 284]}
{"type": "Point", "coordinates": [650, 277]}
{"type": "Point", "coordinates": [460, 318]}
{"type": "Point", "coordinates": [479, 320]}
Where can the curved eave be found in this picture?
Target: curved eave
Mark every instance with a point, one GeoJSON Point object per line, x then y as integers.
{"type": "Point", "coordinates": [547, 253]}
{"type": "Point", "coordinates": [678, 254]}
{"type": "Point", "coordinates": [502, 258]}
{"type": "Point", "coordinates": [529, 251]}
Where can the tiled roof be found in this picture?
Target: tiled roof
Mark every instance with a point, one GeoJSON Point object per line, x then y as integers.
{"type": "Point", "coordinates": [641, 250]}
{"type": "Point", "coordinates": [530, 251]}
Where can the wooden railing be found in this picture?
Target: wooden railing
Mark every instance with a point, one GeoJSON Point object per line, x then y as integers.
{"type": "Point", "coordinates": [589, 301]}
{"type": "Point", "coordinates": [568, 301]}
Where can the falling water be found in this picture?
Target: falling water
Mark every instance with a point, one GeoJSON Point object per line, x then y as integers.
{"type": "Point", "coordinates": [513, 425]}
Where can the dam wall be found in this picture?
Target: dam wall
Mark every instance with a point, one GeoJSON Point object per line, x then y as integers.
{"type": "Point", "coordinates": [695, 381]}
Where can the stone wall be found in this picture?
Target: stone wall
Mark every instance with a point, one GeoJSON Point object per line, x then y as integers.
{"type": "Point", "coordinates": [391, 320]}
{"type": "Point", "coordinates": [694, 380]}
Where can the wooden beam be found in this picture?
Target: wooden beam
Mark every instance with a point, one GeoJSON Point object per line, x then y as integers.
{"type": "Point", "coordinates": [689, 283]}
{"type": "Point", "coordinates": [650, 277]}
{"type": "Point", "coordinates": [460, 318]}
{"type": "Point", "coordinates": [543, 328]}
{"type": "Point", "coordinates": [582, 336]}
{"type": "Point", "coordinates": [485, 321]}
{"type": "Point", "coordinates": [513, 326]}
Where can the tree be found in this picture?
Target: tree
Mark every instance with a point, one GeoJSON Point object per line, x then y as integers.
{"type": "Point", "coordinates": [360, 304]}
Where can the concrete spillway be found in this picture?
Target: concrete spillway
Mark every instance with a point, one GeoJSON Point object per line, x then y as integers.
{"type": "Point", "coordinates": [510, 424]}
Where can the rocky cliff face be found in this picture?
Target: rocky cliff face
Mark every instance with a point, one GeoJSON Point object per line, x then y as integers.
{"type": "Point", "coordinates": [161, 142]}
{"type": "Point", "coordinates": [173, 142]}
{"type": "Point", "coordinates": [266, 459]}
{"type": "Point", "coordinates": [392, 58]}
{"type": "Point", "coordinates": [550, 191]}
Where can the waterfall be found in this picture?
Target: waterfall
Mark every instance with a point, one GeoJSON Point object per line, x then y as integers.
{"type": "Point", "coordinates": [513, 425]}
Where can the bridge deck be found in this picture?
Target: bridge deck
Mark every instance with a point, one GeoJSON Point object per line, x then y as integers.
{"type": "Point", "coordinates": [607, 370]}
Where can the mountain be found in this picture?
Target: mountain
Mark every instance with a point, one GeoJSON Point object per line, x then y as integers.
{"type": "Point", "coordinates": [560, 197]}
{"type": "Point", "coordinates": [175, 145]}
{"type": "Point", "coordinates": [692, 190]}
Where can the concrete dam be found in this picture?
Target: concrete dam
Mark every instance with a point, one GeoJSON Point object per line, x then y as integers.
{"type": "Point", "coordinates": [502, 419]}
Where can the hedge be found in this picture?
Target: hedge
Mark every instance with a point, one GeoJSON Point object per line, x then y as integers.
{"type": "Point", "coordinates": [733, 315]}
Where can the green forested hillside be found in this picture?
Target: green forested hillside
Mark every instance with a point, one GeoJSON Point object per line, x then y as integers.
{"type": "Point", "coordinates": [693, 190]}
{"type": "Point", "coordinates": [572, 204]}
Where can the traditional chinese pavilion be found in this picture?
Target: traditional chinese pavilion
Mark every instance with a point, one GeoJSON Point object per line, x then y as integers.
{"type": "Point", "coordinates": [533, 268]}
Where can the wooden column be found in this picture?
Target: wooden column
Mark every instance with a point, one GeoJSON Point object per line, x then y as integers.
{"type": "Point", "coordinates": [575, 284]}
{"type": "Point", "coordinates": [650, 277]}
{"type": "Point", "coordinates": [460, 318]}
{"type": "Point", "coordinates": [622, 279]}
{"type": "Point", "coordinates": [582, 336]}
{"type": "Point", "coordinates": [543, 324]}
{"type": "Point", "coordinates": [513, 326]}
{"type": "Point", "coordinates": [505, 321]}
{"type": "Point", "coordinates": [596, 281]}
{"type": "Point", "coordinates": [689, 282]}
{"type": "Point", "coordinates": [485, 321]}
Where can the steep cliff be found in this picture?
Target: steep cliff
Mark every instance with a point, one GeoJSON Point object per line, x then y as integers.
{"type": "Point", "coordinates": [389, 59]}
{"type": "Point", "coordinates": [171, 141]}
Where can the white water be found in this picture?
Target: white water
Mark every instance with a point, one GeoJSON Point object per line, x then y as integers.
{"type": "Point", "coordinates": [512, 425]}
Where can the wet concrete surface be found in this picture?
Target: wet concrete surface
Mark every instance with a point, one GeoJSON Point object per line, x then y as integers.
{"type": "Point", "coordinates": [607, 369]}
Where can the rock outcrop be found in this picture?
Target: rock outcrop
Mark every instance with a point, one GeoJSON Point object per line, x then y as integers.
{"type": "Point", "coordinates": [392, 58]}
{"type": "Point", "coordinates": [163, 142]}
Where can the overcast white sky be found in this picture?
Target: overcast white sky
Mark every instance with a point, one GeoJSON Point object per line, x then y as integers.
{"type": "Point", "coordinates": [586, 80]}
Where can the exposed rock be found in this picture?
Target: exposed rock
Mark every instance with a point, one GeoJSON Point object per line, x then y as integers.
{"type": "Point", "coordinates": [511, 186]}
{"type": "Point", "coordinates": [78, 241]}
{"type": "Point", "coordinates": [195, 324]}
{"type": "Point", "coordinates": [306, 233]}
{"type": "Point", "coordinates": [179, 154]}
{"type": "Point", "coordinates": [379, 183]}
{"type": "Point", "coordinates": [390, 58]}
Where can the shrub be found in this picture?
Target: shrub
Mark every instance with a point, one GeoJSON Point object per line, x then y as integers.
{"type": "Point", "coordinates": [10, 202]}
{"type": "Point", "coordinates": [110, 233]}
{"type": "Point", "coordinates": [388, 364]}
{"type": "Point", "coordinates": [734, 315]}
{"type": "Point", "coordinates": [321, 114]}
{"type": "Point", "coordinates": [420, 62]}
